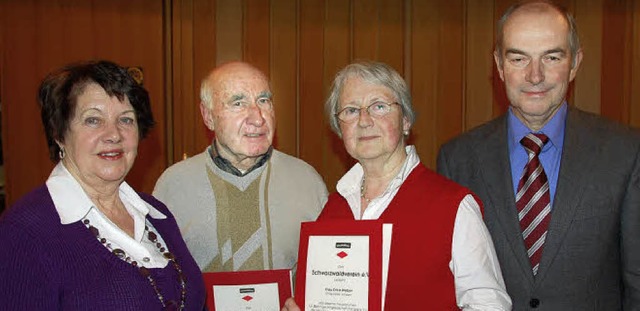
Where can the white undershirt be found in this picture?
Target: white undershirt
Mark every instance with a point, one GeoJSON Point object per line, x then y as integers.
{"type": "Point", "coordinates": [474, 264]}
{"type": "Point", "coordinates": [73, 204]}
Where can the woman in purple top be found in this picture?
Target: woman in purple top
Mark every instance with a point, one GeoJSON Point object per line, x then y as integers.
{"type": "Point", "coordinates": [85, 240]}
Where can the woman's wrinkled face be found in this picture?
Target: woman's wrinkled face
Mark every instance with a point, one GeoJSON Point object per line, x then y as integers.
{"type": "Point", "coordinates": [367, 137]}
{"type": "Point", "coordinates": [102, 141]}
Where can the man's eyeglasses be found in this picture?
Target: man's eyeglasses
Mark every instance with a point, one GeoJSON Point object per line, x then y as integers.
{"type": "Point", "coordinates": [376, 110]}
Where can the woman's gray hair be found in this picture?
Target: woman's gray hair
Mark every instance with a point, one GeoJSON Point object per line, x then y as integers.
{"type": "Point", "coordinates": [375, 73]}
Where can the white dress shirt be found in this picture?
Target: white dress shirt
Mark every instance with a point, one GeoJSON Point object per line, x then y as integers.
{"type": "Point", "coordinates": [73, 204]}
{"type": "Point", "coordinates": [477, 276]}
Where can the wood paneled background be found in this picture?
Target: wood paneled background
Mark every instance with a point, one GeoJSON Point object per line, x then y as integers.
{"type": "Point", "coordinates": [442, 48]}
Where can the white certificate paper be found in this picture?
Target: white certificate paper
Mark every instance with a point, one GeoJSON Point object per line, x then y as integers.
{"type": "Point", "coordinates": [257, 297]}
{"type": "Point", "coordinates": [337, 275]}
{"type": "Point", "coordinates": [387, 231]}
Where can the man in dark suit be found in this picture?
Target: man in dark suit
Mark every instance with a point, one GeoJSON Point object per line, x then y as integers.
{"type": "Point", "coordinates": [565, 220]}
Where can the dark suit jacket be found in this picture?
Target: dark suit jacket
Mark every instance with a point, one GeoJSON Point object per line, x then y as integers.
{"type": "Point", "coordinates": [591, 257]}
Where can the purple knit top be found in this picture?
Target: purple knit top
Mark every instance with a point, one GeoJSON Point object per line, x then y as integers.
{"type": "Point", "coordinates": [45, 265]}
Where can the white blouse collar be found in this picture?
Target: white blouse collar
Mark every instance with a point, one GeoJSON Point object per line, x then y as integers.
{"type": "Point", "coordinates": [72, 203]}
{"type": "Point", "coordinates": [349, 187]}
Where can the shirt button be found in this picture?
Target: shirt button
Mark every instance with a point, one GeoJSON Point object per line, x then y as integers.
{"type": "Point", "coordinates": [146, 259]}
{"type": "Point", "coordinates": [534, 303]}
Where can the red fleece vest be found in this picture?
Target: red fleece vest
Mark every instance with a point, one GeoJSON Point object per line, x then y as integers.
{"type": "Point", "coordinates": [423, 214]}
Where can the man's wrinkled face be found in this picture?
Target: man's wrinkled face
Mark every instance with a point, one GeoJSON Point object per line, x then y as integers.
{"type": "Point", "coordinates": [241, 115]}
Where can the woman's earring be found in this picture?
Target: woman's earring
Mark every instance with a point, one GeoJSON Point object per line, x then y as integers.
{"type": "Point", "coordinates": [406, 133]}
{"type": "Point", "coordinates": [61, 153]}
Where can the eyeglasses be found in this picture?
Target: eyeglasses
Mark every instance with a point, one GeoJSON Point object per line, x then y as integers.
{"type": "Point", "coordinates": [378, 109]}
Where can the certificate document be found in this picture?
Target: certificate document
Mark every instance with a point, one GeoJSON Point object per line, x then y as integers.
{"type": "Point", "coordinates": [340, 265]}
{"type": "Point", "coordinates": [338, 275]}
{"type": "Point", "coordinates": [248, 290]}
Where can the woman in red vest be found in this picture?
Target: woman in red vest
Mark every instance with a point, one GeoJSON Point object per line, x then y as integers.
{"type": "Point", "coordinates": [442, 257]}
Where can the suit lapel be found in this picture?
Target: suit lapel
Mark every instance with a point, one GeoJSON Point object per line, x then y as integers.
{"type": "Point", "coordinates": [495, 170]}
{"type": "Point", "coordinates": [577, 154]}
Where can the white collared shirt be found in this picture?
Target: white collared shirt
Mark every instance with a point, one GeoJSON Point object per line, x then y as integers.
{"type": "Point", "coordinates": [73, 204]}
{"type": "Point", "coordinates": [474, 264]}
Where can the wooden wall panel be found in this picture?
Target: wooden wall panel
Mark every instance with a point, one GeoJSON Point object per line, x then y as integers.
{"type": "Point", "coordinates": [284, 68]}
{"type": "Point", "coordinates": [41, 36]}
{"type": "Point", "coordinates": [20, 78]}
{"type": "Point", "coordinates": [313, 126]}
{"type": "Point", "coordinates": [450, 77]}
{"type": "Point", "coordinates": [627, 78]}
{"type": "Point", "coordinates": [256, 39]}
{"type": "Point", "coordinates": [184, 112]}
{"type": "Point", "coordinates": [616, 72]}
{"type": "Point", "coordinates": [478, 63]}
{"type": "Point", "coordinates": [204, 60]}
{"type": "Point", "coordinates": [196, 50]}
{"type": "Point", "coordinates": [424, 76]}
{"type": "Point", "coordinates": [391, 47]}
{"type": "Point", "coordinates": [364, 28]}
{"type": "Point", "coordinates": [634, 119]}
{"type": "Point", "coordinates": [229, 38]}
{"type": "Point", "coordinates": [337, 54]}
{"type": "Point", "coordinates": [443, 49]}
{"type": "Point", "coordinates": [587, 90]}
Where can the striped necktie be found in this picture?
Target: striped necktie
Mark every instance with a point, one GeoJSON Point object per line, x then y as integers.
{"type": "Point", "coordinates": [533, 200]}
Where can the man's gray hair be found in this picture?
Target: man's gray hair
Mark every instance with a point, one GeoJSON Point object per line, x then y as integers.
{"type": "Point", "coordinates": [206, 92]}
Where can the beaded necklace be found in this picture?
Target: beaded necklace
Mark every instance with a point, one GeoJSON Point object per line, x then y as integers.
{"type": "Point", "coordinates": [153, 237]}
